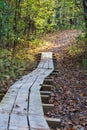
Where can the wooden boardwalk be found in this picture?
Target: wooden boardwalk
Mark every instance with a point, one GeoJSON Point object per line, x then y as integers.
{"type": "Point", "coordinates": [21, 108]}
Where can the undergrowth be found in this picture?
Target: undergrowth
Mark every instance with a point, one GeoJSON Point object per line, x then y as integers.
{"type": "Point", "coordinates": [13, 67]}
{"type": "Point", "coordinates": [78, 51]}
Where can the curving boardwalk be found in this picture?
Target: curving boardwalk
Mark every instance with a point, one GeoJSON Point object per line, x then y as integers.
{"type": "Point", "coordinates": [21, 108]}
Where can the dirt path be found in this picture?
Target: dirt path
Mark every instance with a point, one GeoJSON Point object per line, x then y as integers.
{"type": "Point", "coordinates": [70, 94]}
{"type": "Point", "coordinates": [60, 40]}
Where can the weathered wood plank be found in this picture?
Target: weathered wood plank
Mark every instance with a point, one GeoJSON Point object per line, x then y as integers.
{"type": "Point", "coordinates": [4, 120]}
{"type": "Point", "coordinates": [18, 122]}
{"type": "Point", "coordinates": [9, 98]}
{"type": "Point", "coordinates": [41, 64]}
{"type": "Point", "coordinates": [38, 123]}
{"type": "Point", "coordinates": [45, 66]}
{"type": "Point", "coordinates": [7, 104]}
{"type": "Point", "coordinates": [36, 116]}
{"type": "Point", "coordinates": [22, 104]}
{"type": "Point", "coordinates": [46, 61]}
{"type": "Point", "coordinates": [35, 104]}
{"type": "Point", "coordinates": [14, 88]}
{"type": "Point", "coordinates": [46, 55]}
{"type": "Point", "coordinates": [50, 64]}
{"type": "Point", "coordinates": [10, 101]}
{"type": "Point", "coordinates": [54, 123]}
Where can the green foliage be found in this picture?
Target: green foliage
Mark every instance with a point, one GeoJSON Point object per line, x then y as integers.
{"type": "Point", "coordinates": [85, 63]}
{"type": "Point", "coordinates": [78, 48]}
{"type": "Point", "coordinates": [12, 68]}
{"type": "Point", "coordinates": [21, 19]}
{"type": "Point", "coordinates": [25, 21]}
{"type": "Point", "coordinates": [69, 14]}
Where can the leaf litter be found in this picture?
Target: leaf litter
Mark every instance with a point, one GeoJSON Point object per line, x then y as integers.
{"type": "Point", "coordinates": [70, 93]}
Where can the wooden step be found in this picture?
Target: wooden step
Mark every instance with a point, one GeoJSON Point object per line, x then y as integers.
{"type": "Point", "coordinates": [54, 73]}
{"type": "Point", "coordinates": [49, 78]}
{"type": "Point", "coordinates": [45, 93]}
{"type": "Point", "coordinates": [46, 87]}
{"type": "Point", "coordinates": [53, 123]}
{"type": "Point", "coordinates": [45, 99]}
{"type": "Point", "coordinates": [47, 107]}
{"type": "Point", "coordinates": [48, 81]}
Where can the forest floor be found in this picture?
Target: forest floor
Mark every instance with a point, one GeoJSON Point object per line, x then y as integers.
{"type": "Point", "coordinates": [70, 93]}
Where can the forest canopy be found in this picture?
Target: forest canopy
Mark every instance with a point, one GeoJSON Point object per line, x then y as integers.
{"type": "Point", "coordinates": [25, 23]}
{"type": "Point", "coordinates": [22, 20]}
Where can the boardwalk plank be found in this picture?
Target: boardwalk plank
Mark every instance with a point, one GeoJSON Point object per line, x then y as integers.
{"type": "Point", "coordinates": [41, 64]}
{"type": "Point", "coordinates": [9, 99]}
{"type": "Point", "coordinates": [38, 123]}
{"type": "Point", "coordinates": [18, 122]}
{"type": "Point", "coordinates": [35, 105]}
{"type": "Point", "coordinates": [21, 105]}
{"type": "Point", "coordinates": [4, 120]}
{"type": "Point", "coordinates": [16, 111]}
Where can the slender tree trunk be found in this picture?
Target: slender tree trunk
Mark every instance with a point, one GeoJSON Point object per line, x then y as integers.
{"type": "Point", "coordinates": [15, 24]}
{"type": "Point", "coordinates": [85, 11]}
{"type": "Point", "coordinates": [17, 16]}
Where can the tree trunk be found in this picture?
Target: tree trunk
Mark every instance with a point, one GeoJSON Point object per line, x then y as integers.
{"type": "Point", "coordinates": [17, 16]}
{"type": "Point", "coordinates": [85, 11]}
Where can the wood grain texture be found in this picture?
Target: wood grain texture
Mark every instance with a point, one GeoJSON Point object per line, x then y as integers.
{"type": "Point", "coordinates": [21, 107]}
